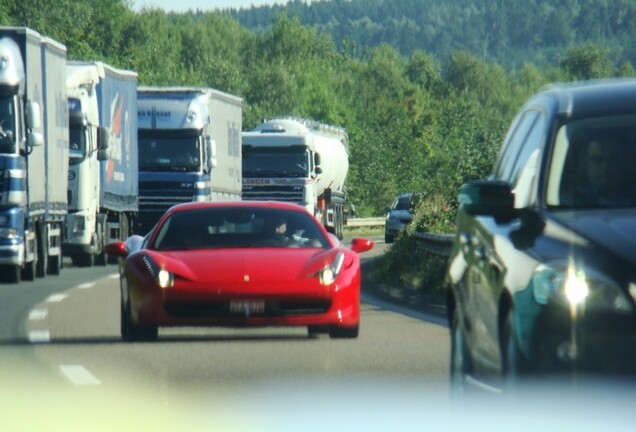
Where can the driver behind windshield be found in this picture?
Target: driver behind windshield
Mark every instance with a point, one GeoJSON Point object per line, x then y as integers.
{"type": "Point", "coordinates": [603, 169]}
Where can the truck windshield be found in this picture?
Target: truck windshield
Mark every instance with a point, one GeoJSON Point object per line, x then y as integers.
{"type": "Point", "coordinates": [77, 144]}
{"type": "Point", "coordinates": [7, 126]}
{"type": "Point", "coordinates": [276, 161]}
{"type": "Point", "coordinates": [169, 154]}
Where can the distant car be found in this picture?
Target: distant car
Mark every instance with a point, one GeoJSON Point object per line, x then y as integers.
{"type": "Point", "coordinates": [239, 264]}
{"type": "Point", "coordinates": [542, 277]}
{"type": "Point", "coordinates": [399, 215]}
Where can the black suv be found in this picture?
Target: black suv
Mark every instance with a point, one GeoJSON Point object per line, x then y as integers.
{"type": "Point", "coordinates": [542, 277]}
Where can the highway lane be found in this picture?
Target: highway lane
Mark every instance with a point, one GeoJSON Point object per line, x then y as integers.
{"type": "Point", "coordinates": [65, 333]}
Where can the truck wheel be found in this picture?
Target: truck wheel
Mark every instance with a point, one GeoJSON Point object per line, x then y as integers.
{"type": "Point", "coordinates": [83, 260]}
{"type": "Point", "coordinates": [43, 254]}
{"type": "Point", "coordinates": [101, 258]}
{"type": "Point", "coordinates": [55, 265]}
{"type": "Point", "coordinates": [11, 273]}
{"type": "Point", "coordinates": [28, 272]}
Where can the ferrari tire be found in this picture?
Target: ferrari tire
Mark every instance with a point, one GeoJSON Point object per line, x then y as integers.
{"type": "Point", "coordinates": [336, 332]}
{"type": "Point", "coordinates": [316, 331]}
{"type": "Point", "coordinates": [131, 332]}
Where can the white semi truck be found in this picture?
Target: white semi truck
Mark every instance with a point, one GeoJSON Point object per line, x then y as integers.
{"type": "Point", "coordinates": [102, 180]}
{"type": "Point", "coordinates": [33, 154]}
{"type": "Point", "coordinates": [189, 149]}
{"type": "Point", "coordinates": [299, 161]}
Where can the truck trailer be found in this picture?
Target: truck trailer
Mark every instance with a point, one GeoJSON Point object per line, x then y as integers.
{"type": "Point", "coordinates": [299, 161]}
{"type": "Point", "coordinates": [189, 149]}
{"type": "Point", "coordinates": [33, 154]}
{"type": "Point", "coordinates": [103, 170]}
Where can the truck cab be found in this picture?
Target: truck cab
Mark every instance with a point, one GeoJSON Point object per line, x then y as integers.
{"type": "Point", "coordinates": [179, 130]}
{"type": "Point", "coordinates": [298, 161]}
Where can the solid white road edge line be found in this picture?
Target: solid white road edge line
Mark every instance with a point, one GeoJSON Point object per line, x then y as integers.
{"type": "Point", "coordinates": [79, 375]}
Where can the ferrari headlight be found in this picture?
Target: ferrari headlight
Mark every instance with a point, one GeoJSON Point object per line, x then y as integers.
{"type": "Point", "coordinates": [165, 279]}
{"type": "Point", "coordinates": [570, 285]}
{"type": "Point", "coordinates": [328, 275]}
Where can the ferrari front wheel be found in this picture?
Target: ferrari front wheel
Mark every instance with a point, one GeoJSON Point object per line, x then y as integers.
{"type": "Point", "coordinates": [336, 332]}
{"type": "Point", "coordinates": [132, 332]}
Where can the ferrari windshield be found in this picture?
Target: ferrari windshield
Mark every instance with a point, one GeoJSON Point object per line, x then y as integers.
{"type": "Point", "coordinates": [238, 227]}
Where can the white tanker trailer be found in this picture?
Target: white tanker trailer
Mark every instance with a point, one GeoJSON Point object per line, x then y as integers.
{"type": "Point", "coordinates": [299, 161]}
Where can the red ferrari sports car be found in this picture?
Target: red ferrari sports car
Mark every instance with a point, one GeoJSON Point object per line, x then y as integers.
{"type": "Point", "coordinates": [239, 264]}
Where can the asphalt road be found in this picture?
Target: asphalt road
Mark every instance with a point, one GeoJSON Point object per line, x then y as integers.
{"type": "Point", "coordinates": [60, 347]}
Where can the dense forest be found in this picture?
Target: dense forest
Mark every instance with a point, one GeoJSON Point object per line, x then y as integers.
{"type": "Point", "coordinates": [508, 32]}
{"type": "Point", "coordinates": [424, 87]}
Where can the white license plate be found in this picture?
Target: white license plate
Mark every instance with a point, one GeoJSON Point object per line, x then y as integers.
{"type": "Point", "coordinates": [247, 306]}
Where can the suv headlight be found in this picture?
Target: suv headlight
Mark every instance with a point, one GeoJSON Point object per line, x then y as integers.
{"type": "Point", "coordinates": [572, 285]}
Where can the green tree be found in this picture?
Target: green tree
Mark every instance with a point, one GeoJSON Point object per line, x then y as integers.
{"type": "Point", "coordinates": [587, 62]}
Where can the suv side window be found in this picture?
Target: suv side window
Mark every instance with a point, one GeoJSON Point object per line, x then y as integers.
{"type": "Point", "coordinates": [513, 146]}
{"type": "Point", "coordinates": [530, 144]}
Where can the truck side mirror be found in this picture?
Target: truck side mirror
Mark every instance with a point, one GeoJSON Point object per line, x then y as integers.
{"type": "Point", "coordinates": [102, 154]}
{"type": "Point", "coordinates": [317, 170]}
{"type": "Point", "coordinates": [33, 117]}
{"type": "Point", "coordinates": [103, 136]}
{"type": "Point", "coordinates": [35, 139]}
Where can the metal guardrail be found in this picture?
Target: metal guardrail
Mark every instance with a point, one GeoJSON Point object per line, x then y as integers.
{"type": "Point", "coordinates": [437, 244]}
{"type": "Point", "coordinates": [366, 222]}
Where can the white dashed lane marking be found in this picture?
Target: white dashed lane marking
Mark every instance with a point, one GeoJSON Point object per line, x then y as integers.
{"type": "Point", "coordinates": [86, 285]}
{"type": "Point", "coordinates": [55, 298]}
{"type": "Point", "coordinates": [79, 375]}
{"type": "Point", "coordinates": [39, 336]}
{"type": "Point", "coordinates": [38, 314]}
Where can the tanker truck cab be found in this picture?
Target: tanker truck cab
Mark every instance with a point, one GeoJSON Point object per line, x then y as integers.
{"type": "Point", "coordinates": [298, 161]}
